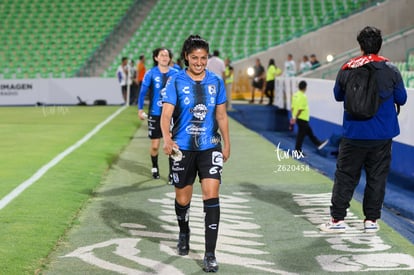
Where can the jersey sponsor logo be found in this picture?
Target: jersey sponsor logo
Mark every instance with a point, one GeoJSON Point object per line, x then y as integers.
{"type": "Point", "coordinates": [212, 89]}
{"type": "Point", "coordinates": [164, 92]}
{"type": "Point", "coordinates": [177, 169]}
{"type": "Point", "coordinates": [186, 90]}
{"type": "Point", "coordinates": [199, 111]}
{"type": "Point", "coordinates": [212, 101]}
{"type": "Point", "coordinates": [157, 80]}
{"type": "Point", "coordinates": [217, 158]}
{"type": "Point", "coordinates": [195, 130]}
{"type": "Point", "coordinates": [186, 100]}
{"type": "Point", "coordinates": [215, 140]}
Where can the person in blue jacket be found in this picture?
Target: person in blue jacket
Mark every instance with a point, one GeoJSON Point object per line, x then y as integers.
{"type": "Point", "coordinates": [366, 144]}
{"type": "Point", "coordinates": [154, 81]}
{"type": "Point", "coordinates": [194, 112]}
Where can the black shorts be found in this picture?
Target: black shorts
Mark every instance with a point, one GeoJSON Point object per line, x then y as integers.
{"type": "Point", "coordinates": [258, 84]}
{"type": "Point", "coordinates": [207, 164]}
{"type": "Point", "coordinates": [154, 127]}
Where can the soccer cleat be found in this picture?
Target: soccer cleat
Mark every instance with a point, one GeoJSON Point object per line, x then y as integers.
{"type": "Point", "coordinates": [371, 226]}
{"type": "Point", "coordinates": [210, 263]}
{"type": "Point", "coordinates": [183, 245]}
{"type": "Point", "coordinates": [323, 144]}
{"type": "Point", "coordinates": [155, 173]}
{"type": "Point", "coordinates": [333, 226]}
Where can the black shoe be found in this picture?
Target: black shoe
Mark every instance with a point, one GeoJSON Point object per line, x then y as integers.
{"type": "Point", "coordinates": [210, 263]}
{"type": "Point", "coordinates": [183, 246]}
{"type": "Point", "coordinates": [155, 173]}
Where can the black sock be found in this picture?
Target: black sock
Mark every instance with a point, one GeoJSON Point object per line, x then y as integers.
{"type": "Point", "coordinates": [211, 223]}
{"type": "Point", "coordinates": [183, 217]}
{"type": "Point", "coordinates": [154, 160]}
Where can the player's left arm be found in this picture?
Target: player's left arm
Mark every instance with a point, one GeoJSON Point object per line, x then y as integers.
{"type": "Point", "coordinates": [223, 123]}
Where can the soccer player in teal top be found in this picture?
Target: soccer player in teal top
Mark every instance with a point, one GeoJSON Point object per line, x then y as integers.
{"type": "Point", "coordinates": [194, 110]}
{"type": "Point", "coordinates": [154, 81]}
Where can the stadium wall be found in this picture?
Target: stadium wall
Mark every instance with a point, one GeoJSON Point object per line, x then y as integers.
{"type": "Point", "coordinates": [59, 91]}
{"type": "Point", "coordinates": [325, 111]}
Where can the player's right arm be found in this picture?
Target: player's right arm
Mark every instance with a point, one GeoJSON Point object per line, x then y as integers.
{"type": "Point", "coordinates": [142, 93]}
{"type": "Point", "coordinates": [166, 115]}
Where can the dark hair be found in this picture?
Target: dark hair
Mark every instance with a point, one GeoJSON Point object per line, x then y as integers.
{"type": "Point", "coordinates": [302, 85]}
{"type": "Point", "coordinates": [179, 62]}
{"type": "Point", "coordinates": [157, 51]}
{"type": "Point", "coordinates": [141, 57]}
{"type": "Point", "coordinates": [124, 58]}
{"type": "Point", "coordinates": [216, 53]}
{"type": "Point", "coordinates": [192, 43]}
{"type": "Point", "coordinates": [271, 62]}
{"type": "Point", "coordinates": [370, 40]}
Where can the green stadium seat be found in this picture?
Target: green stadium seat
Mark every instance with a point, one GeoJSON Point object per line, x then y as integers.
{"type": "Point", "coordinates": [245, 28]}
{"type": "Point", "coordinates": [56, 29]}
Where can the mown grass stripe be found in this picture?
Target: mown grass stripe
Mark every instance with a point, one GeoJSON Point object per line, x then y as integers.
{"type": "Point", "coordinates": [36, 176]}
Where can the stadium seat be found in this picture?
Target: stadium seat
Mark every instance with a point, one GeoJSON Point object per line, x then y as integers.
{"type": "Point", "coordinates": [42, 35]}
{"type": "Point", "coordinates": [59, 31]}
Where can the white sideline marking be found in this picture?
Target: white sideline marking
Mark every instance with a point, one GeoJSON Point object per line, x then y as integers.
{"type": "Point", "coordinates": [39, 173]}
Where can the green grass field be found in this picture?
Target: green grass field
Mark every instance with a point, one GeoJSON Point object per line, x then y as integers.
{"type": "Point", "coordinates": [32, 224]}
{"type": "Point", "coordinates": [268, 224]}
{"type": "Point", "coordinates": [83, 218]}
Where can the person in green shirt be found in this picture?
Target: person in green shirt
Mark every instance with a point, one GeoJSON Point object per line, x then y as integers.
{"type": "Point", "coordinates": [300, 117]}
{"type": "Point", "coordinates": [272, 72]}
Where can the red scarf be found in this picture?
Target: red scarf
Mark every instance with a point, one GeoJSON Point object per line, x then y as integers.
{"type": "Point", "coordinates": [361, 60]}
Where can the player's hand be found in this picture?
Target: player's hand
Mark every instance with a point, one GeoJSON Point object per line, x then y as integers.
{"type": "Point", "coordinates": [168, 146]}
{"type": "Point", "coordinates": [142, 115]}
{"type": "Point", "coordinates": [226, 153]}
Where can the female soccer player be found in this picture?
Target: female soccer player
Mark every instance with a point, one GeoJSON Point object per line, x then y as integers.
{"type": "Point", "coordinates": [155, 80]}
{"type": "Point", "coordinates": [194, 109]}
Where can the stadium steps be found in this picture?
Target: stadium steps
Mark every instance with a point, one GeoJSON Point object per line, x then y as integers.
{"type": "Point", "coordinates": [115, 41]}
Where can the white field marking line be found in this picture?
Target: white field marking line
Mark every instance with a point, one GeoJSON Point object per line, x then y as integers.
{"type": "Point", "coordinates": [39, 173]}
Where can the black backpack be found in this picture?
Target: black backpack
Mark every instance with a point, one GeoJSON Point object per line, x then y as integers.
{"type": "Point", "coordinates": [362, 98]}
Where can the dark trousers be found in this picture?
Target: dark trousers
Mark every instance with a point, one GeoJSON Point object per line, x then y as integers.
{"type": "Point", "coordinates": [304, 130]}
{"type": "Point", "coordinates": [270, 91]}
{"type": "Point", "coordinates": [133, 93]}
{"type": "Point", "coordinates": [351, 160]}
